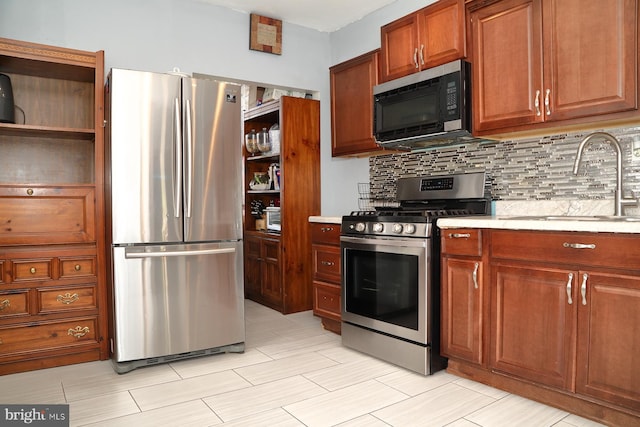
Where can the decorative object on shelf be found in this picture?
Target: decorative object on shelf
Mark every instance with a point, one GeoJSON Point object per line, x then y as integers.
{"type": "Point", "coordinates": [7, 109]}
{"type": "Point", "coordinates": [274, 176]}
{"type": "Point", "coordinates": [264, 142]}
{"type": "Point", "coordinates": [251, 142]}
{"type": "Point", "coordinates": [265, 34]}
{"type": "Point", "coordinates": [260, 181]}
{"type": "Point", "coordinates": [257, 211]}
{"type": "Point", "coordinates": [274, 137]}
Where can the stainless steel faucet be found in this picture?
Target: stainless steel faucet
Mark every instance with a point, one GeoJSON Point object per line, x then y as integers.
{"type": "Point", "coordinates": [620, 201]}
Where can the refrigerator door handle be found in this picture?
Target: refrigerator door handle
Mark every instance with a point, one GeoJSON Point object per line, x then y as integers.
{"type": "Point", "coordinates": [131, 255]}
{"type": "Point", "coordinates": [189, 189]}
{"type": "Point", "coordinates": [177, 155]}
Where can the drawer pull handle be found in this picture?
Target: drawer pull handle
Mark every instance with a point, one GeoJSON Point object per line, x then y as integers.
{"type": "Point", "coordinates": [68, 298]}
{"type": "Point", "coordinates": [32, 270]}
{"type": "Point", "coordinates": [326, 229]}
{"type": "Point", "coordinates": [4, 304]}
{"type": "Point", "coordinates": [569, 283]}
{"type": "Point", "coordinates": [329, 263]}
{"type": "Point", "coordinates": [459, 235]}
{"type": "Point", "coordinates": [475, 275]}
{"type": "Point", "coordinates": [583, 288]}
{"type": "Point", "coordinates": [30, 191]}
{"type": "Point", "coordinates": [77, 267]}
{"type": "Point", "coordinates": [579, 245]}
{"type": "Point", "coordinates": [78, 331]}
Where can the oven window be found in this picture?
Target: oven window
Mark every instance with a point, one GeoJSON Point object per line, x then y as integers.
{"type": "Point", "coordinates": [382, 286]}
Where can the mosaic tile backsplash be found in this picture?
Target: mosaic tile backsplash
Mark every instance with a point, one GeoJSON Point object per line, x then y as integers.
{"type": "Point", "coordinates": [524, 169]}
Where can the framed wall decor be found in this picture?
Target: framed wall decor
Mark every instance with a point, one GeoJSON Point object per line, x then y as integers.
{"type": "Point", "coordinates": [265, 34]}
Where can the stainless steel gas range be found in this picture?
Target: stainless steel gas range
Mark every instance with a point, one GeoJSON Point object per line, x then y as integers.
{"type": "Point", "coordinates": [391, 269]}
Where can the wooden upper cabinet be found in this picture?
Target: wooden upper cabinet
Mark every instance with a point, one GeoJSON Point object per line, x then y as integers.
{"type": "Point", "coordinates": [563, 63]}
{"type": "Point", "coordinates": [429, 37]}
{"type": "Point", "coordinates": [352, 84]}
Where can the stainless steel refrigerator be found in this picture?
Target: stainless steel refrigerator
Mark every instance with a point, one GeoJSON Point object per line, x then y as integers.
{"type": "Point", "coordinates": [174, 216]}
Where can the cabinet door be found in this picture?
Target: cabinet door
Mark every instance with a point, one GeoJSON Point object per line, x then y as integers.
{"type": "Point", "coordinates": [608, 364]}
{"type": "Point", "coordinates": [271, 281]}
{"type": "Point", "coordinates": [590, 57]}
{"type": "Point", "coordinates": [441, 33]}
{"type": "Point", "coordinates": [507, 64]}
{"type": "Point", "coordinates": [352, 105]}
{"type": "Point", "coordinates": [252, 263]}
{"type": "Point", "coordinates": [462, 309]}
{"type": "Point", "coordinates": [533, 323]}
{"type": "Point", "coordinates": [399, 50]}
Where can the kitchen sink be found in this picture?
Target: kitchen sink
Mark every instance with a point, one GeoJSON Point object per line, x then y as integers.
{"type": "Point", "coordinates": [575, 218]}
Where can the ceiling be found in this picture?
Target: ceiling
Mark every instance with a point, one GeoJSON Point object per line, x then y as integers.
{"type": "Point", "coordinates": [321, 15]}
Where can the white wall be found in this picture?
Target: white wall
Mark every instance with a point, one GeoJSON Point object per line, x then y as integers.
{"type": "Point", "coordinates": [158, 35]}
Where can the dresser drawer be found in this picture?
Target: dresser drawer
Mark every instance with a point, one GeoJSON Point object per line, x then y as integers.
{"type": "Point", "coordinates": [47, 335]}
{"type": "Point", "coordinates": [77, 267]}
{"type": "Point", "coordinates": [24, 270]}
{"type": "Point", "coordinates": [326, 263]}
{"type": "Point", "coordinates": [462, 241]}
{"type": "Point", "coordinates": [325, 233]}
{"type": "Point", "coordinates": [14, 304]}
{"type": "Point", "coordinates": [327, 300]}
{"type": "Point", "coordinates": [67, 299]}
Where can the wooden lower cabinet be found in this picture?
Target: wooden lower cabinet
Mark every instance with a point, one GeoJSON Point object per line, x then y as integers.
{"type": "Point", "coordinates": [327, 275]}
{"type": "Point", "coordinates": [533, 325]}
{"type": "Point", "coordinates": [560, 320]}
{"type": "Point", "coordinates": [263, 281]}
{"type": "Point", "coordinates": [608, 352]}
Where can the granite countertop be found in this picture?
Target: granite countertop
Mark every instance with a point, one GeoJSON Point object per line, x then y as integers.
{"type": "Point", "coordinates": [536, 223]}
{"type": "Point", "coordinates": [326, 219]}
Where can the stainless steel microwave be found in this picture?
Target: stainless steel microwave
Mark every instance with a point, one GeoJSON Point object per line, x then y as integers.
{"type": "Point", "coordinates": [424, 109]}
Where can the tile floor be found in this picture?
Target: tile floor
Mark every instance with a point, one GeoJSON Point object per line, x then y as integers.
{"type": "Point", "coordinates": [293, 373]}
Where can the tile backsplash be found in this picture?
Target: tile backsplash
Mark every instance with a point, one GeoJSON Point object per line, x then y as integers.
{"type": "Point", "coordinates": [524, 169]}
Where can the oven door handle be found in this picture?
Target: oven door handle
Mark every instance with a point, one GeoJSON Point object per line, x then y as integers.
{"type": "Point", "coordinates": [416, 243]}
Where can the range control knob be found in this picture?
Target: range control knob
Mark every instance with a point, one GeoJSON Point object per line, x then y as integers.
{"type": "Point", "coordinates": [377, 227]}
{"type": "Point", "coordinates": [360, 227]}
{"type": "Point", "coordinates": [397, 228]}
{"type": "Point", "coordinates": [409, 229]}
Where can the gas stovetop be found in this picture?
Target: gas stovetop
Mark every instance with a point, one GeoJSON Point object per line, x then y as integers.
{"type": "Point", "coordinates": [422, 200]}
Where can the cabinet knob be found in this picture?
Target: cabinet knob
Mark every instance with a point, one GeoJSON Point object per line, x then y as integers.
{"type": "Point", "coordinates": [77, 267]}
{"type": "Point", "coordinates": [30, 191]}
{"type": "Point", "coordinates": [4, 304]}
{"type": "Point", "coordinates": [32, 270]}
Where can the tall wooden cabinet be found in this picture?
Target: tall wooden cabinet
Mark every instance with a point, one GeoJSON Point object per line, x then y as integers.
{"type": "Point", "coordinates": [551, 63]}
{"type": "Point", "coordinates": [52, 260]}
{"type": "Point", "coordinates": [278, 265]}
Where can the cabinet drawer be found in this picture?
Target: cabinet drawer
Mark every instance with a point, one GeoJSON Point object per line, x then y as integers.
{"type": "Point", "coordinates": [14, 304]}
{"type": "Point", "coordinates": [462, 241]}
{"type": "Point", "coordinates": [77, 267]}
{"type": "Point", "coordinates": [31, 269]}
{"type": "Point", "coordinates": [325, 233]}
{"type": "Point", "coordinates": [326, 263]}
{"type": "Point", "coordinates": [47, 215]}
{"type": "Point", "coordinates": [592, 249]}
{"type": "Point", "coordinates": [47, 335]}
{"type": "Point", "coordinates": [327, 300]}
{"type": "Point", "coordinates": [67, 299]}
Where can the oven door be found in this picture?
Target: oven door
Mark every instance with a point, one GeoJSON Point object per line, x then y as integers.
{"type": "Point", "coordinates": [385, 285]}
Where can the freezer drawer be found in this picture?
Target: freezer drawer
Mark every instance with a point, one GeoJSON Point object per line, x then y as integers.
{"type": "Point", "coordinates": [174, 299]}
